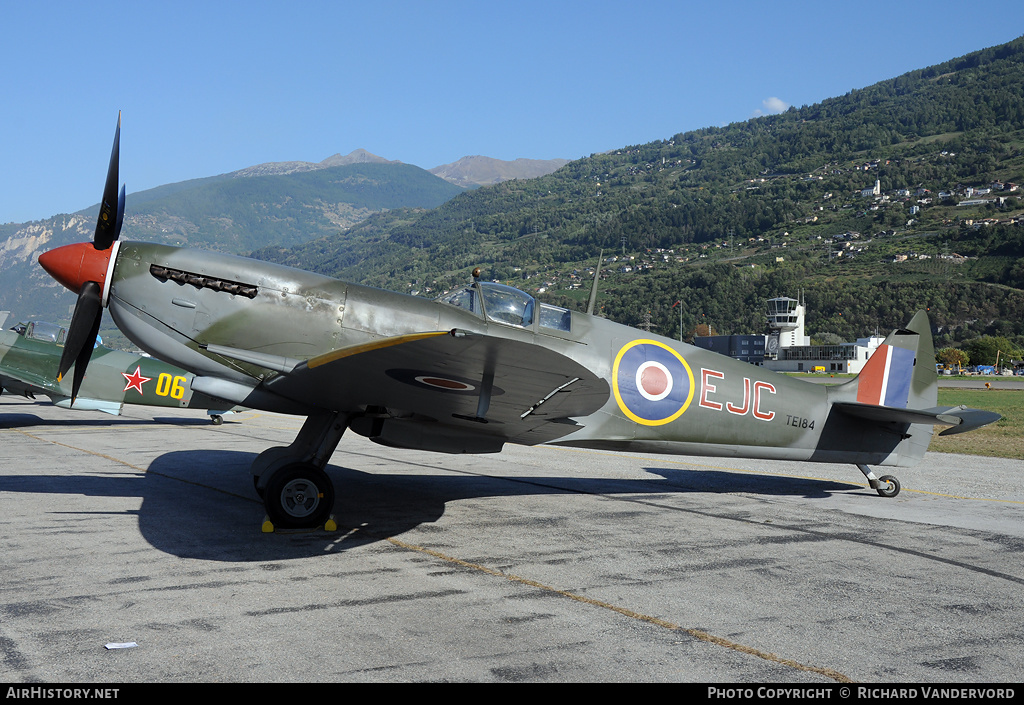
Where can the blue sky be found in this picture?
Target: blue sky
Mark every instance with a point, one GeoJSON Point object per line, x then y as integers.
{"type": "Point", "coordinates": [209, 87]}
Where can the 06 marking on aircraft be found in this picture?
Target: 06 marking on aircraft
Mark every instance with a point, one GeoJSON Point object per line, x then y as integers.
{"type": "Point", "coordinates": [168, 385]}
{"type": "Point", "coordinates": [653, 384]}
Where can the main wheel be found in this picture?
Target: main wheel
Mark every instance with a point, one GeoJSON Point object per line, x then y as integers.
{"type": "Point", "coordinates": [299, 496]}
{"type": "Point", "coordinates": [891, 488]}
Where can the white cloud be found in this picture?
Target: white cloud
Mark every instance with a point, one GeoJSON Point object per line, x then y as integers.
{"type": "Point", "coordinates": [772, 106]}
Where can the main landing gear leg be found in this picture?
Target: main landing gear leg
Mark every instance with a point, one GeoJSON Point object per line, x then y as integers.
{"type": "Point", "coordinates": [296, 492]}
{"type": "Point", "coordinates": [886, 485]}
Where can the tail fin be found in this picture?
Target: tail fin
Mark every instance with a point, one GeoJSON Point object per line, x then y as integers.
{"type": "Point", "coordinates": [901, 372]}
{"type": "Point", "coordinates": [899, 385]}
{"type": "Point", "coordinates": [889, 407]}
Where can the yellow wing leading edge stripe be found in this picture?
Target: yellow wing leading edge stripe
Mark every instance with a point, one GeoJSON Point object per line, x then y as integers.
{"type": "Point", "coordinates": [342, 353]}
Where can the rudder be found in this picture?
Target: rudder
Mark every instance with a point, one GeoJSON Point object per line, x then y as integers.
{"type": "Point", "coordinates": [901, 372]}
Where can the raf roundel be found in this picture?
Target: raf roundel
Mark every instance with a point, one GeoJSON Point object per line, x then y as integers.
{"type": "Point", "coordinates": [448, 385]}
{"type": "Point", "coordinates": [653, 385]}
{"type": "Point", "coordinates": [435, 382]}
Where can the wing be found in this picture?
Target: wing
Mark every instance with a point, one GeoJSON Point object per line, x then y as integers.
{"type": "Point", "coordinates": [28, 368]}
{"type": "Point", "coordinates": [26, 383]}
{"type": "Point", "coordinates": [456, 390]}
{"type": "Point", "coordinates": [29, 384]}
{"type": "Point", "coordinates": [14, 384]}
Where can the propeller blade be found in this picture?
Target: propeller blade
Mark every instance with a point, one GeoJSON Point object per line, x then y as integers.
{"type": "Point", "coordinates": [108, 225]}
{"type": "Point", "coordinates": [85, 324]}
{"type": "Point", "coordinates": [120, 214]}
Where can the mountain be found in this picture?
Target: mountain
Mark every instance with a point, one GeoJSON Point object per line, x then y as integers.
{"type": "Point", "coordinates": [25, 289]}
{"type": "Point", "coordinates": [470, 172]}
{"type": "Point", "coordinates": [862, 201]}
{"type": "Point", "coordinates": [233, 213]}
{"type": "Point", "coordinates": [358, 156]}
{"type": "Point", "coordinates": [242, 213]}
{"type": "Point", "coordinates": [278, 204]}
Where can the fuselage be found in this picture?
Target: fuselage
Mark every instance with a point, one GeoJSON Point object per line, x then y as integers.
{"type": "Point", "coordinates": [666, 396]}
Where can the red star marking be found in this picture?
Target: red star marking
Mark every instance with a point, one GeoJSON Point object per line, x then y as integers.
{"type": "Point", "coordinates": [135, 379]}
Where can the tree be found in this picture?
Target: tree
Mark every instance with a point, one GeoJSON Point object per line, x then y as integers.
{"type": "Point", "coordinates": [952, 357]}
{"type": "Point", "coordinates": [702, 329]}
{"type": "Point", "coordinates": [984, 350]}
{"type": "Point", "coordinates": [827, 338]}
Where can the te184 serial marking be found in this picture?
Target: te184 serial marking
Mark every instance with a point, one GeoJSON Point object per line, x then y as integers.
{"type": "Point", "coordinates": [800, 421]}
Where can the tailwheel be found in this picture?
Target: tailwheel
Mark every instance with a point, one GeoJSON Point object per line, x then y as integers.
{"type": "Point", "coordinates": [888, 486]}
{"type": "Point", "coordinates": [299, 496]}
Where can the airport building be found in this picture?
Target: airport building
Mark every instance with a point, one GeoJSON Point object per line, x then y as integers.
{"type": "Point", "coordinates": [748, 348]}
{"type": "Point", "coordinates": [845, 357]}
{"type": "Point", "coordinates": [789, 350]}
{"type": "Point", "coordinates": [785, 348]}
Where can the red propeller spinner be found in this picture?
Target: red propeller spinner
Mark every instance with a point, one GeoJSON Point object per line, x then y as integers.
{"type": "Point", "coordinates": [73, 265]}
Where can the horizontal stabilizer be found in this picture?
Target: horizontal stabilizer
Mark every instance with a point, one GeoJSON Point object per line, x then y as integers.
{"type": "Point", "coordinates": [960, 418]}
{"type": "Point", "coordinates": [970, 419]}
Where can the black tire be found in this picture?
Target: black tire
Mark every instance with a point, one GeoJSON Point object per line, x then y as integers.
{"type": "Point", "coordinates": [891, 486]}
{"type": "Point", "coordinates": [299, 496]}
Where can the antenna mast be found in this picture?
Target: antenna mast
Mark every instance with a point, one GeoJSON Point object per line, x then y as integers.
{"type": "Point", "coordinates": [593, 289]}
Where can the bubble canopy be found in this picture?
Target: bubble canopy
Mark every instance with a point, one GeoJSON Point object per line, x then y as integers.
{"type": "Point", "coordinates": [507, 305]}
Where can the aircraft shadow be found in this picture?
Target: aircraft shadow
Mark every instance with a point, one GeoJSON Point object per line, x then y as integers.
{"type": "Point", "coordinates": [722, 482]}
{"type": "Point", "coordinates": [201, 503]}
{"type": "Point", "coordinates": [23, 420]}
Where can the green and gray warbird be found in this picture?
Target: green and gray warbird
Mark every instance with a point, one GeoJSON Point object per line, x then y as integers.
{"type": "Point", "coordinates": [483, 366]}
{"type": "Point", "coordinates": [30, 354]}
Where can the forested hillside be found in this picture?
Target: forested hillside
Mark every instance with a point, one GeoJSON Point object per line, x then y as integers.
{"type": "Point", "coordinates": [898, 196]}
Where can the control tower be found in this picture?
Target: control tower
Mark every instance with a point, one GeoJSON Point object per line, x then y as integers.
{"type": "Point", "coordinates": [785, 325]}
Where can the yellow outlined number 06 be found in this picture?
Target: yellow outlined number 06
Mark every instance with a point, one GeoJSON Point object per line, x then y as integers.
{"type": "Point", "coordinates": [167, 385]}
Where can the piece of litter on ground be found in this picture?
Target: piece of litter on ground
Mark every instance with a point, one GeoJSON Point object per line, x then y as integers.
{"type": "Point", "coordinates": [121, 645]}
